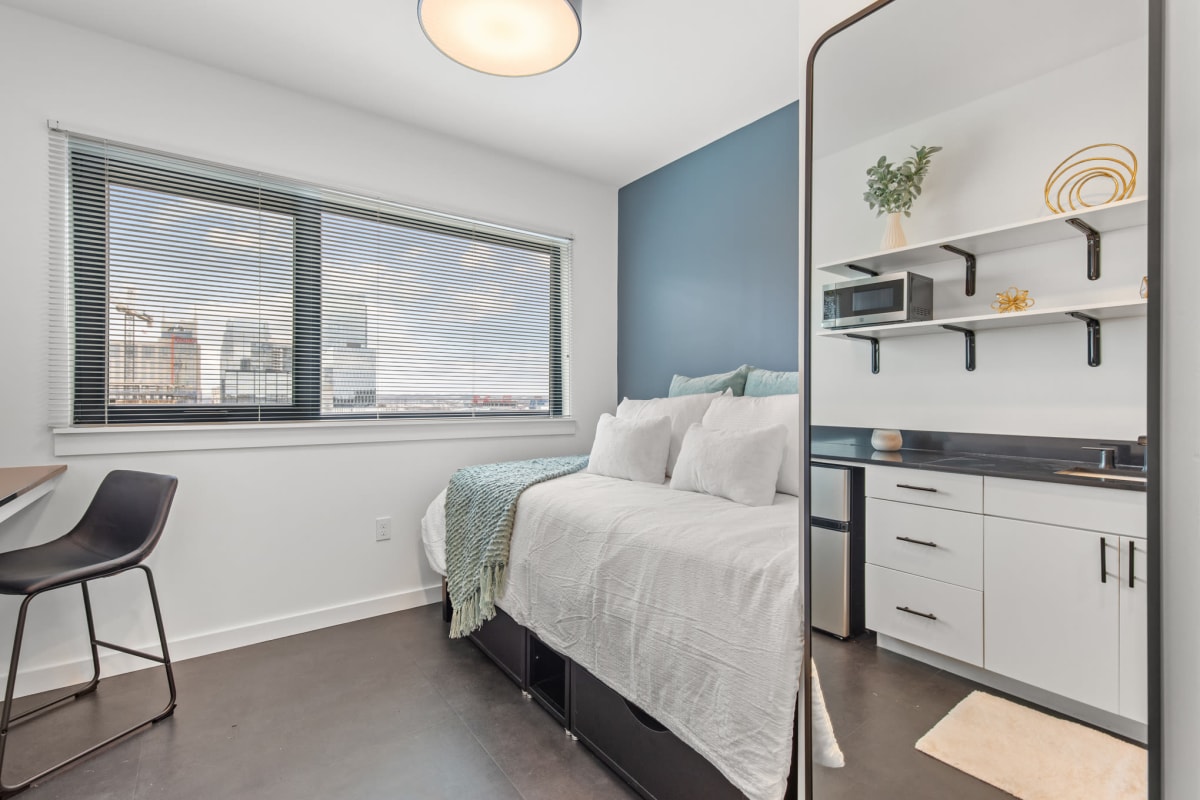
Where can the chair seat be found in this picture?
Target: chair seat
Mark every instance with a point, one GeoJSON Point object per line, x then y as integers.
{"type": "Point", "coordinates": [58, 563]}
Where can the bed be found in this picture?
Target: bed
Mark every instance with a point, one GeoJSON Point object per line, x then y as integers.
{"type": "Point", "coordinates": [645, 589]}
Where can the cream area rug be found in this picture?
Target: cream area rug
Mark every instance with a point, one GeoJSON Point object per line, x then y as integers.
{"type": "Point", "coordinates": [1035, 756]}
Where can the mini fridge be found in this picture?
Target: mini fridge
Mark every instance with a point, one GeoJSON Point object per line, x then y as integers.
{"type": "Point", "coordinates": [838, 508]}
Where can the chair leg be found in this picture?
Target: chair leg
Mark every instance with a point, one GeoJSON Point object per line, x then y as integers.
{"type": "Point", "coordinates": [162, 641]}
{"type": "Point", "coordinates": [6, 718]}
{"type": "Point", "coordinates": [10, 686]}
{"type": "Point", "coordinates": [91, 625]}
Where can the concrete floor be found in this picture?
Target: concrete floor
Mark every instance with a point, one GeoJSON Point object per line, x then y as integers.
{"type": "Point", "coordinates": [881, 703]}
{"type": "Point", "coordinates": [384, 708]}
{"type": "Point", "coordinates": [390, 708]}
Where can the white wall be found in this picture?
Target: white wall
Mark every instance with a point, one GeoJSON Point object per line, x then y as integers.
{"type": "Point", "coordinates": [261, 542]}
{"type": "Point", "coordinates": [1180, 403]}
{"type": "Point", "coordinates": [998, 151]}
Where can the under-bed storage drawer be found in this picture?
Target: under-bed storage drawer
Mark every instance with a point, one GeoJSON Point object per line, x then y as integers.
{"type": "Point", "coordinates": [937, 616]}
{"type": "Point", "coordinates": [645, 753]}
{"type": "Point", "coordinates": [504, 642]}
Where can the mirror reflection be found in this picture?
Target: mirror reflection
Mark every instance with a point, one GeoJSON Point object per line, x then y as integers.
{"type": "Point", "coordinates": [978, 400]}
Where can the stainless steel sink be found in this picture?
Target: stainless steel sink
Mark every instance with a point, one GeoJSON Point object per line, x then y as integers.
{"type": "Point", "coordinates": [1115, 474]}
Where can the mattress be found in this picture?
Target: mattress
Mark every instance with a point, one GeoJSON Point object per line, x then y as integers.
{"type": "Point", "coordinates": [687, 605]}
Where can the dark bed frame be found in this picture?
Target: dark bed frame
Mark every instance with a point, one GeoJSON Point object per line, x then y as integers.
{"type": "Point", "coordinates": [633, 744]}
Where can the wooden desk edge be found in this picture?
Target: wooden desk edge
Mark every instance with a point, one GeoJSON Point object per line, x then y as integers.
{"type": "Point", "coordinates": [16, 481]}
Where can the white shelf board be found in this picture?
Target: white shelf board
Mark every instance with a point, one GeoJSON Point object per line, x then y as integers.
{"type": "Point", "coordinates": [1112, 217]}
{"type": "Point", "coordinates": [1013, 319]}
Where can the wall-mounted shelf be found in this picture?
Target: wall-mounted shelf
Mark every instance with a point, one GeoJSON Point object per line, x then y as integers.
{"type": "Point", "coordinates": [1091, 314]}
{"type": "Point", "coordinates": [1086, 225]}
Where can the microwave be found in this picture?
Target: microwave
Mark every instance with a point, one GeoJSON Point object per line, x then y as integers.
{"type": "Point", "coordinates": [894, 297]}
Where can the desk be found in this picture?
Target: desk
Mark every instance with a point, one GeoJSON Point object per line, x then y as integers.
{"type": "Point", "coordinates": [21, 486]}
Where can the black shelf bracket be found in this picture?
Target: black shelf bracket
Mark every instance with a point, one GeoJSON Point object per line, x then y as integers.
{"type": "Point", "coordinates": [970, 259]}
{"type": "Point", "coordinates": [863, 270]}
{"type": "Point", "coordinates": [1093, 337]}
{"type": "Point", "coordinates": [969, 337]}
{"type": "Point", "coordinates": [874, 349]}
{"type": "Point", "coordinates": [1093, 247]}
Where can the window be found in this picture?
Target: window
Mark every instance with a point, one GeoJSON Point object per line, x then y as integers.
{"type": "Point", "coordinates": [198, 293]}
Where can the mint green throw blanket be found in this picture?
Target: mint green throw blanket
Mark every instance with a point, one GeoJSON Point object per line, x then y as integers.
{"type": "Point", "coordinates": [481, 504]}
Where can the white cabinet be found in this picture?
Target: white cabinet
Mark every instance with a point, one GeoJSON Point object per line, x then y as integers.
{"type": "Point", "coordinates": [1018, 589]}
{"type": "Point", "coordinates": [1134, 626]}
{"type": "Point", "coordinates": [1051, 617]}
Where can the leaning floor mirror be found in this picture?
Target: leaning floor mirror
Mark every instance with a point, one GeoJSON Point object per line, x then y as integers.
{"type": "Point", "coordinates": [982, 372]}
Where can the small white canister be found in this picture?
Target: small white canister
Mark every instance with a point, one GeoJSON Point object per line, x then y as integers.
{"type": "Point", "coordinates": [886, 439]}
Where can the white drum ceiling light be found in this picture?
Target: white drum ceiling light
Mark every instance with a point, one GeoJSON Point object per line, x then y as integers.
{"type": "Point", "coordinates": [512, 38]}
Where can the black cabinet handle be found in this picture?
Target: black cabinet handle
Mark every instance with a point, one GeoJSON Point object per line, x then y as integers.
{"type": "Point", "coordinates": [1103, 560]}
{"type": "Point", "coordinates": [908, 610]}
{"type": "Point", "coordinates": [916, 488]}
{"type": "Point", "coordinates": [1132, 550]}
{"type": "Point", "coordinates": [916, 541]}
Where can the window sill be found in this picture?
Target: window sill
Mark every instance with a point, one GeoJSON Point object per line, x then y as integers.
{"type": "Point", "coordinates": [83, 441]}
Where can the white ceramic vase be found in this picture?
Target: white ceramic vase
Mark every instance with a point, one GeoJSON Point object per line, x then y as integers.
{"type": "Point", "coordinates": [893, 234]}
{"type": "Point", "coordinates": [886, 440]}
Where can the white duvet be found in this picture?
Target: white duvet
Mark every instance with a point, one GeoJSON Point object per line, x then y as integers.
{"type": "Point", "coordinates": [686, 604]}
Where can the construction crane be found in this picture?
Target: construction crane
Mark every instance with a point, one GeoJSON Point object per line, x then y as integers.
{"type": "Point", "coordinates": [131, 317]}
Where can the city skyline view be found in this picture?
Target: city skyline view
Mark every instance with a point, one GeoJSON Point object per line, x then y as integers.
{"type": "Point", "coordinates": [411, 317]}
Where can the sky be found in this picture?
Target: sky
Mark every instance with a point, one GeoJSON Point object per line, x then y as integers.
{"type": "Point", "coordinates": [445, 315]}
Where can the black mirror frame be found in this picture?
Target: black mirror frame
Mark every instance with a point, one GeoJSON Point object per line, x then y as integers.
{"type": "Point", "coordinates": [1154, 328]}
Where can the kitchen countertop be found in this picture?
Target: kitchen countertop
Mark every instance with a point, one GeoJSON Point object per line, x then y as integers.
{"type": "Point", "coordinates": [997, 466]}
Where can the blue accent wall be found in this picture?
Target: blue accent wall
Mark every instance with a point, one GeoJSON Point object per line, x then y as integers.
{"type": "Point", "coordinates": [709, 260]}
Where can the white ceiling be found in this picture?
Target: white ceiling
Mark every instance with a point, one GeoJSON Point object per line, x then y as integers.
{"type": "Point", "coordinates": [652, 80]}
{"type": "Point", "coordinates": [989, 45]}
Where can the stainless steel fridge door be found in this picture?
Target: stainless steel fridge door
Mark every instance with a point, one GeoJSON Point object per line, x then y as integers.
{"type": "Point", "coordinates": [830, 492]}
{"type": "Point", "coordinates": [830, 576]}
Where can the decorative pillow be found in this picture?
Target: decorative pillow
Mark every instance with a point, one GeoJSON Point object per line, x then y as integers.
{"type": "Point", "coordinates": [683, 411]}
{"type": "Point", "coordinates": [632, 449]}
{"type": "Point", "coordinates": [739, 465]}
{"type": "Point", "coordinates": [734, 381]}
{"type": "Point", "coordinates": [765, 382]}
{"type": "Point", "coordinates": [738, 413]}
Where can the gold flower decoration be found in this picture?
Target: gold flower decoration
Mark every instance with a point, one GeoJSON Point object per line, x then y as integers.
{"type": "Point", "coordinates": [1013, 299]}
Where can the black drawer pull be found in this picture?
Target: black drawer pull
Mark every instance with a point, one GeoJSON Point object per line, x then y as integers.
{"type": "Point", "coordinates": [1132, 550]}
{"type": "Point", "coordinates": [916, 541]}
{"type": "Point", "coordinates": [916, 488]}
{"type": "Point", "coordinates": [644, 718]}
{"type": "Point", "coordinates": [1103, 560]}
{"type": "Point", "coordinates": [908, 610]}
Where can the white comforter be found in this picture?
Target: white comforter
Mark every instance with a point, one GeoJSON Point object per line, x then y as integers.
{"type": "Point", "coordinates": [686, 604]}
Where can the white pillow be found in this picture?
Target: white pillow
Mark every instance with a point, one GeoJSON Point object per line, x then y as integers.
{"type": "Point", "coordinates": [684, 411]}
{"type": "Point", "coordinates": [736, 413]}
{"type": "Point", "coordinates": [633, 449]}
{"type": "Point", "coordinates": [739, 465]}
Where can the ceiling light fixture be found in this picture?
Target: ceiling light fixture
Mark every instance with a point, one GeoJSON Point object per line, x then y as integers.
{"type": "Point", "coordinates": [511, 38]}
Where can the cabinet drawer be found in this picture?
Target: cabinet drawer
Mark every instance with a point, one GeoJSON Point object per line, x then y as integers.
{"type": "Point", "coordinates": [638, 747]}
{"type": "Point", "coordinates": [926, 488]}
{"type": "Point", "coordinates": [956, 629]}
{"type": "Point", "coordinates": [928, 542]}
{"type": "Point", "coordinates": [1089, 507]}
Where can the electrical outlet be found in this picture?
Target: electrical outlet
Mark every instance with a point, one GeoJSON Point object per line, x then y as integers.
{"type": "Point", "coordinates": [383, 529]}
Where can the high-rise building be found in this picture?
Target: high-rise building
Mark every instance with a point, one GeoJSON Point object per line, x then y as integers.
{"type": "Point", "coordinates": [165, 370]}
{"type": "Point", "coordinates": [255, 369]}
{"type": "Point", "coordinates": [348, 365]}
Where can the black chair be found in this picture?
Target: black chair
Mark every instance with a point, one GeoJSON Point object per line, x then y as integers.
{"type": "Point", "coordinates": [119, 529]}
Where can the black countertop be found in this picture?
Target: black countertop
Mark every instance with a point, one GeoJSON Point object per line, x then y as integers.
{"type": "Point", "coordinates": [1020, 467]}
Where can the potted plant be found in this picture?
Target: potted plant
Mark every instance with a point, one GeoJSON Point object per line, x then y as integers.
{"type": "Point", "coordinates": [892, 189]}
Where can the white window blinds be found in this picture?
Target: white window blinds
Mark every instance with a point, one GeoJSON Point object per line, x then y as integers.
{"type": "Point", "coordinates": [192, 292]}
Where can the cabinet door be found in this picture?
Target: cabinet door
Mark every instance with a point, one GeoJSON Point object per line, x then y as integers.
{"type": "Point", "coordinates": [1050, 616]}
{"type": "Point", "coordinates": [1134, 686]}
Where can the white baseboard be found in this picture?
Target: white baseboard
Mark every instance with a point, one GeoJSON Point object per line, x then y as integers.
{"type": "Point", "coordinates": [56, 676]}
